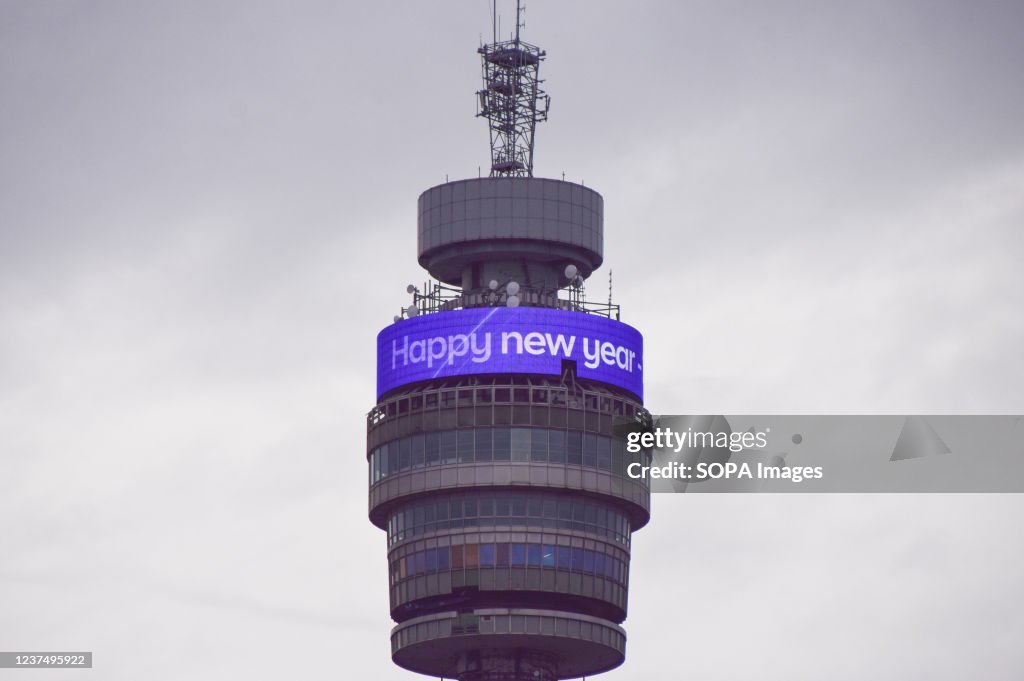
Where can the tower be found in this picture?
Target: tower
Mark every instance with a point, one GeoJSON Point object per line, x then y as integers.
{"type": "Point", "coordinates": [493, 461]}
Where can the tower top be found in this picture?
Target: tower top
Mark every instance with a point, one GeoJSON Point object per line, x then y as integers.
{"type": "Point", "coordinates": [511, 99]}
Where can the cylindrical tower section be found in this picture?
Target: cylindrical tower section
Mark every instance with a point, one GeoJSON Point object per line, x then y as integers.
{"type": "Point", "coordinates": [510, 228]}
{"type": "Point", "coordinates": [493, 461]}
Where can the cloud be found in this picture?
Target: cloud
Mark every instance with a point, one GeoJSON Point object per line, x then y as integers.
{"type": "Point", "coordinates": [207, 212]}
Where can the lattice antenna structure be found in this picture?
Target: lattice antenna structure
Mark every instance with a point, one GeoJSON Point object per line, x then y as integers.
{"type": "Point", "coordinates": [512, 101]}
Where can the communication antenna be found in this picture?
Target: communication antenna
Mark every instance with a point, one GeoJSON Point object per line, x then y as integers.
{"type": "Point", "coordinates": [511, 99]}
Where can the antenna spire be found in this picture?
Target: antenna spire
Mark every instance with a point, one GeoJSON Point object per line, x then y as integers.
{"type": "Point", "coordinates": [511, 99]}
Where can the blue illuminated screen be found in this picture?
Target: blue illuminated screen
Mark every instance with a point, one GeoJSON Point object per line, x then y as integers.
{"type": "Point", "coordinates": [504, 340]}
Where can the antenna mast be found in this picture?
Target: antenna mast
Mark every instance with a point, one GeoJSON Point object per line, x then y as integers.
{"type": "Point", "coordinates": [511, 99]}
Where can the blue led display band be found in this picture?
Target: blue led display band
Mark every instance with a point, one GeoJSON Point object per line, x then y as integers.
{"type": "Point", "coordinates": [504, 340]}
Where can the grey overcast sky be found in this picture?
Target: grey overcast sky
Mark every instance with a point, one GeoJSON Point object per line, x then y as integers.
{"type": "Point", "coordinates": [207, 212]}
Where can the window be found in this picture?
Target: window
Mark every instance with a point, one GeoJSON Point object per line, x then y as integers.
{"type": "Point", "coordinates": [465, 446]}
{"type": "Point", "coordinates": [472, 555]}
{"type": "Point", "coordinates": [618, 457]}
{"type": "Point", "coordinates": [574, 447]}
{"type": "Point", "coordinates": [519, 506]}
{"type": "Point", "coordinates": [432, 451]}
{"type": "Point", "coordinates": [604, 453]}
{"type": "Point", "coordinates": [502, 444]}
{"type": "Point", "coordinates": [517, 555]}
{"type": "Point", "coordinates": [486, 506]}
{"type": "Point", "coordinates": [501, 506]}
{"type": "Point", "coordinates": [534, 555]}
{"type": "Point", "coordinates": [417, 451]}
{"type": "Point", "coordinates": [577, 559]}
{"type": "Point", "coordinates": [539, 444]}
{"type": "Point", "coordinates": [536, 507]}
{"type": "Point", "coordinates": [484, 447]}
{"type": "Point", "coordinates": [449, 446]}
{"type": "Point", "coordinates": [521, 442]}
{"type": "Point", "coordinates": [556, 446]}
{"type": "Point", "coordinates": [484, 415]}
{"type": "Point", "coordinates": [507, 509]}
{"type": "Point", "coordinates": [391, 456]}
{"type": "Point", "coordinates": [502, 415]}
{"type": "Point", "coordinates": [590, 450]}
{"type": "Point", "coordinates": [487, 555]}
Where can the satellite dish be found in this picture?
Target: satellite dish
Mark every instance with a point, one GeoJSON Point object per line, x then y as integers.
{"type": "Point", "coordinates": [512, 288]}
{"type": "Point", "coordinates": [398, 318]}
{"type": "Point", "coordinates": [513, 301]}
{"type": "Point", "coordinates": [571, 271]}
{"type": "Point", "coordinates": [410, 289]}
{"type": "Point", "coordinates": [577, 282]}
{"type": "Point", "coordinates": [412, 311]}
{"type": "Point", "coordinates": [493, 285]}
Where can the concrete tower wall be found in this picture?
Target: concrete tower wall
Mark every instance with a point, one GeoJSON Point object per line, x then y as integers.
{"type": "Point", "coordinates": [509, 522]}
{"type": "Point", "coordinates": [502, 228]}
{"type": "Point", "coordinates": [493, 461]}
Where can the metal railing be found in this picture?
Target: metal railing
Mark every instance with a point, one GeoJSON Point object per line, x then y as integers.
{"type": "Point", "coordinates": [438, 297]}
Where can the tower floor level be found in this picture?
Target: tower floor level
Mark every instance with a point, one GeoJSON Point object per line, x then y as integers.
{"type": "Point", "coordinates": [493, 462]}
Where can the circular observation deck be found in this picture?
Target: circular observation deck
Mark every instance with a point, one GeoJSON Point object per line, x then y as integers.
{"type": "Point", "coordinates": [449, 644]}
{"type": "Point", "coordinates": [502, 227]}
